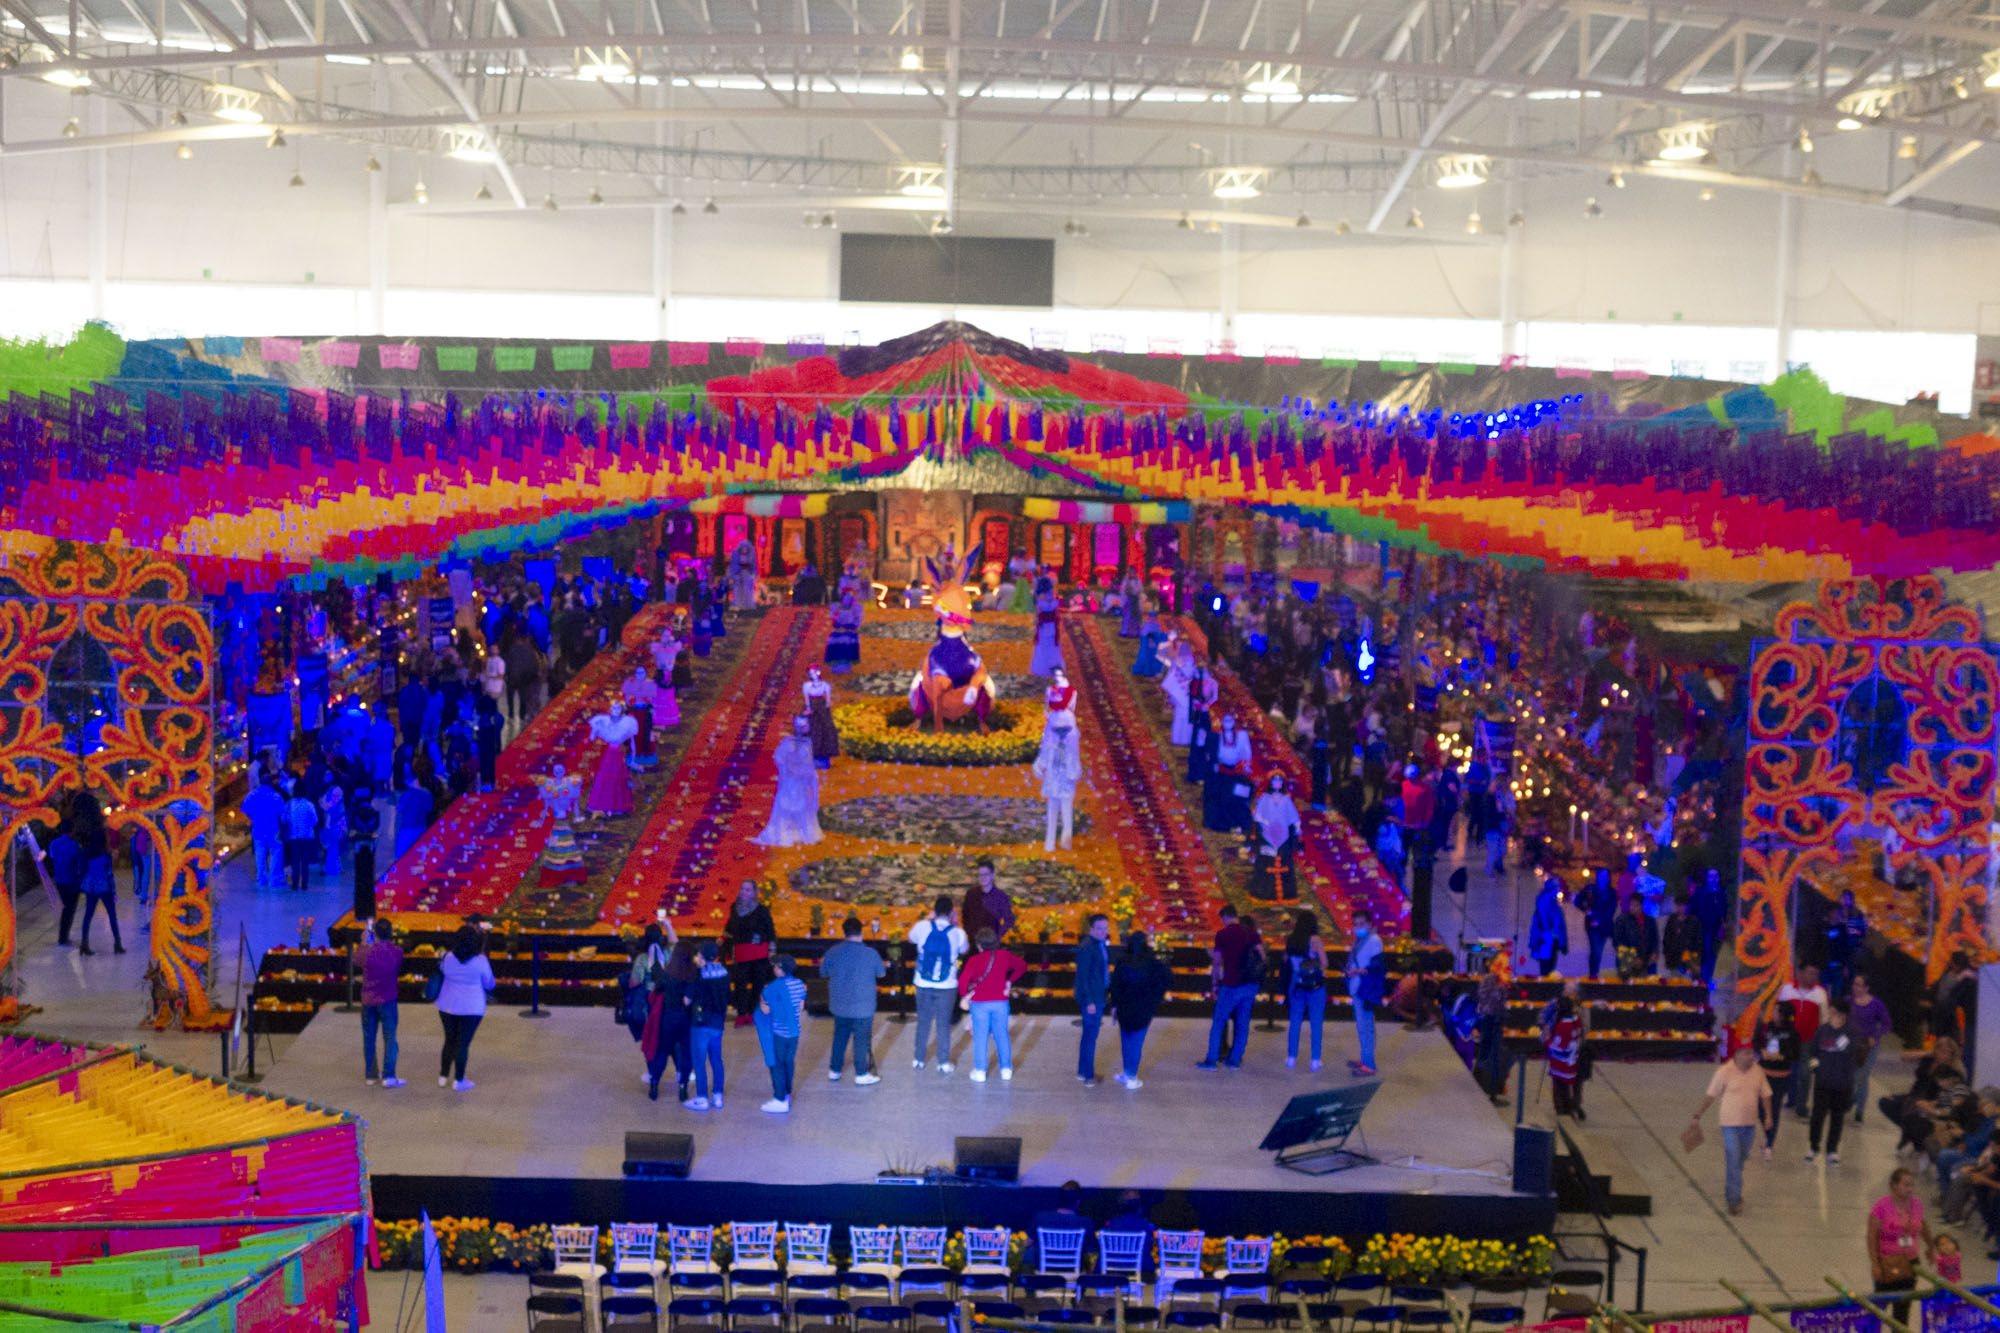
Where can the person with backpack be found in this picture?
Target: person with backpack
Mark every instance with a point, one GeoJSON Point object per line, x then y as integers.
{"type": "Point", "coordinates": [655, 947]}
{"type": "Point", "coordinates": [1236, 964]}
{"type": "Point", "coordinates": [1305, 989]}
{"type": "Point", "coordinates": [1093, 986]}
{"type": "Point", "coordinates": [1367, 972]}
{"type": "Point", "coordinates": [708, 1016]}
{"type": "Point", "coordinates": [940, 946]}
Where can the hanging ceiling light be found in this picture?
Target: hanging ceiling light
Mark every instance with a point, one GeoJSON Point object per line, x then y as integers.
{"type": "Point", "coordinates": [372, 165]}
{"type": "Point", "coordinates": [234, 106]}
{"type": "Point", "coordinates": [596, 195]}
{"type": "Point", "coordinates": [420, 194]}
{"type": "Point", "coordinates": [708, 206]}
{"type": "Point", "coordinates": [1811, 176]}
{"type": "Point", "coordinates": [1303, 221]}
{"type": "Point", "coordinates": [178, 119]}
{"type": "Point", "coordinates": [827, 220]}
{"type": "Point", "coordinates": [183, 152]}
{"type": "Point", "coordinates": [941, 226]}
{"type": "Point", "coordinates": [913, 60]}
{"type": "Point", "coordinates": [297, 181]}
{"type": "Point", "coordinates": [1473, 226]}
{"type": "Point", "coordinates": [71, 128]}
{"type": "Point", "coordinates": [1683, 143]}
{"type": "Point", "coordinates": [1415, 222]}
{"type": "Point", "coordinates": [1517, 219]}
{"type": "Point", "coordinates": [1237, 183]}
{"type": "Point", "coordinates": [1907, 149]}
{"type": "Point", "coordinates": [1616, 180]}
{"type": "Point", "coordinates": [1591, 208]}
{"type": "Point", "coordinates": [485, 192]}
{"type": "Point", "coordinates": [1214, 227]}
{"type": "Point", "coordinates": [1805, 140]}
{"type": "Point", "coordinates": [277, 139]}
{"type": "Point", "coordinates": [1854, 122]}
{"type": "Point", "coordinates": [1342, 228]}
{"type": "Point", "coordinates": [1707, 194]}
{"type": "Point", "coordinates": [1186, 223]}
{"type": "Point", "coordinates": [679, 209]}
{"type": "Point", "coordinates": [1461, 172]}
{"type": "Point", "coordinates": [549, 202]}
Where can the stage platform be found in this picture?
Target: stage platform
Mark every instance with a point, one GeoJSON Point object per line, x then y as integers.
{"type": "Point", "coordinates": [541, 1139]}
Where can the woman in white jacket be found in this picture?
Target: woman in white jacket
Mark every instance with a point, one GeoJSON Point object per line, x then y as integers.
{"type": "Point", "coordinates": [461, 1002]}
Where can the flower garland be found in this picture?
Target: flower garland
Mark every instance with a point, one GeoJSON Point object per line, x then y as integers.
{"type": "Point", "coordinates": [477, 1245]}
{"type": "Point", "coordinates": [867, 732]}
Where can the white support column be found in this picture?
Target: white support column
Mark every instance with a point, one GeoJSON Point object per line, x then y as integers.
{"type": "Point", "coordinates": [376, 321]}
{"type": "Point", "coordinates": [1787, 275]}
{"type": "Point", "coordinates": [1231, 267]}
{"type": "Point", "coordinates": [1510, 257]}
{"type": "Point", "coordinates": [663, 269]}
{"type": "Point", "coordinates": [97, 210]}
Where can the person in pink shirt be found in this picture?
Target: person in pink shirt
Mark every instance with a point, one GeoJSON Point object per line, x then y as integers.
{"type": "Point", "coordinates": [986, 980]}
{"type": "Point", "coordinates": [1898, 1235]}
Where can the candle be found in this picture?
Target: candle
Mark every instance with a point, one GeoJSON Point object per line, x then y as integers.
{"type": "Point", "coordinates": [1586, 833]}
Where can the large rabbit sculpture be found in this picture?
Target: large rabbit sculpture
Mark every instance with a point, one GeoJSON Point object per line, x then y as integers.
{"type": "Point", "coordinates": [953, 682]}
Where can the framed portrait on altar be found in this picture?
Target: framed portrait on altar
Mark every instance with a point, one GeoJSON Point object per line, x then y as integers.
{"type": "Point", "coordinates": [1052, 546]}
{"type": "Point", "coordinates": [996, 535]}
{"type": "Point", "coordinates": [1108, 540]}
{"type": "Point", "coordinates": [734, 528]}
{"type": "Point", "coordinates": [792, 543]}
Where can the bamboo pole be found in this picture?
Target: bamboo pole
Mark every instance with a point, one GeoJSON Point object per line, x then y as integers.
{"type": "Point", "coordinates": [1758, 1307]}
{"type": "Point", "coordinates": [1888, 1320]}
{"type": "Point", "coordinates": [1971, 1298]}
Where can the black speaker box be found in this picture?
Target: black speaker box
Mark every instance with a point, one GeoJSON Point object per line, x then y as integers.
{"type": "Point", "coordinates": [658, 1156]}
{"type": "Point", "coordinates": [974, 1158]}
{"type": "Point", "coordinates": [1534, 1160]}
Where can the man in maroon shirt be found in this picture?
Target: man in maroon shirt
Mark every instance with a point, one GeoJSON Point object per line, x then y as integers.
{"type": "Point", "coordinates": [1235, 968]}
{"type": "Point", "coordinates": [987, 906]}
{"type": "Point", "coordinates": [379, 960]}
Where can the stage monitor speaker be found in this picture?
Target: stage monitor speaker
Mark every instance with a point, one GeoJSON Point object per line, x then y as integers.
{"type": "Point", "coordinates": [658, 1156]}
{"type": "Point", "coordinates": [980, 1158]}
{"type": "Point", "coordinates": [1534, 1160]}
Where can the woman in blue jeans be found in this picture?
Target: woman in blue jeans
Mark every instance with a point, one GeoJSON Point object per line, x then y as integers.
{"type": "Point", "coordinates": [1305, 991]}
{"type": "Point", "coordinates": [710, 1014]}
{"type": "Point", "coordinates": [1138, 985]}
{"type": "Point", "coordinates": [986, 981]}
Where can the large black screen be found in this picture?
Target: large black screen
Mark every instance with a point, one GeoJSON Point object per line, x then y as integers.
{"type": "Point", "coordinates": [947, 270]}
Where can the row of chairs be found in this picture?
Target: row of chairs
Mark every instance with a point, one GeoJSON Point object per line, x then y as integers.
{"type": "Point", "coordinates": [899, 1261]}
{"type": "Point", "coordinates": [567, 1313]}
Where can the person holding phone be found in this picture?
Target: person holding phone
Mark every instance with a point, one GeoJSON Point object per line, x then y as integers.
{"type": "Point", "coordinates": [467, 979]}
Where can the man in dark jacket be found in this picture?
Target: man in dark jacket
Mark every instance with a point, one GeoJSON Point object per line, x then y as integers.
{"type": "Point", "coordinates": [1093, 984]}
{"type": "Point", "coordinates": [1600, 913]}
{"type": "Point", "coordinates": [1710, 906]}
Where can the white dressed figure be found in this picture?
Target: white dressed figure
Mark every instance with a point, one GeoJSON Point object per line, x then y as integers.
{"type": "Point", "coordinates": [1176, 683]}
{"type": "Point", "coordinates": [1059, 764]}
{"type": "Point", "coordinates": [743, 575]}
{"type": "Point", "coordinates": [795, 812]}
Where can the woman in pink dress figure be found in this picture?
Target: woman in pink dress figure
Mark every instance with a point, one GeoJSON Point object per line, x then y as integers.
{"type": "Point", "coordinates": [640, 695]}
{"type": "Point", "coordinates": [611, 789]}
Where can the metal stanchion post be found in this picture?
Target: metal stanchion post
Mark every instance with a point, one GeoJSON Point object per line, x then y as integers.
{"type": "Point", "coordinates": [349, 1005]}
{"type": "Point", "coordinates": [250, 1074]}
{"type": "Point", "coordinates": [534, 1009]}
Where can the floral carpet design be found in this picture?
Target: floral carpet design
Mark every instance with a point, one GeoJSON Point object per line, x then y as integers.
{"type": "Point", "coordinates": [970, 820]}
{"type": "Point", "coordinates": [923, 629]}
{"type": "Point", "coordinates": [914, 881]}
